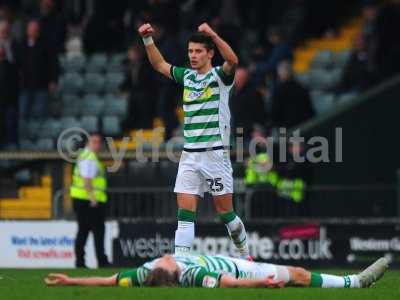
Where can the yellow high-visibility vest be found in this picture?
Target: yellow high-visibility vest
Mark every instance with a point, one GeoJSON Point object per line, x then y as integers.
{"type": "Point", "coordinates": [99, 183]}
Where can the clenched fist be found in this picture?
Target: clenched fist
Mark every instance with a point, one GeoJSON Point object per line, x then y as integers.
{"type": "Point", "coordinates": [146, 30]}
{"type": "Point", "coordinates": [206, 29]}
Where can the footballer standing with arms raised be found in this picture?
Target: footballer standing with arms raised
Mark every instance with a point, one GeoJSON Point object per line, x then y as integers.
{"type": "Point", "coordinates": [205, 162]}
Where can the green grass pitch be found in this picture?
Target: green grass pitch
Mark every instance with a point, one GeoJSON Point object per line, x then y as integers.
{"type": "Point", "coordinates": [28, 285]}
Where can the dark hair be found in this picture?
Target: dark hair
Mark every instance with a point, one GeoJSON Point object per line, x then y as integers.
{"type": "Point", "coordinates": [161, 277]}
{"type": "Point", "coordinates": [201, 38]}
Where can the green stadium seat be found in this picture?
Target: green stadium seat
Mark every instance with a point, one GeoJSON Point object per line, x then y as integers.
{"type": "Point", "coordinates": [71, 83]}
{"type": "Point", "coordinates": [116, 106]}
{"type": "Point", "coordinates": [97, 63]}
{"type": "Point", "coordinates": [90, 123]}
{"type": "Point", "coordinates": [113, 82]}
{"type": "Point", "coordinates": [92, 105]}
{"type": "Point", "coordinates": [111, 126]}
{"type": "Point", "coordinates": [94, 83]}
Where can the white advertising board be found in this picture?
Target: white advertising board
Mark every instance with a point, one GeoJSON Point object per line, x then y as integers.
{"type": "Point", "coordinates": [47, 244]}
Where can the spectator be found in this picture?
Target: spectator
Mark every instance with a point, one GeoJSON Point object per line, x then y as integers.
{"type": "Point", "coordinates": [139, 85]}
{"type": "Point", "coordinates": [168, 91]}
{"type": "Point", "coordinates": [248, 107]}
{"type": "Point", "coordinates": [53, 27]}
{"type": "Point", "coordinates": [8, 100]}
{"type": "Point", "coordinates": [38, 73]}
{"type": "Point", "coordinates": [388, 44]}
{"type": "Point", "coordinates": [358, 73]}
{"type": "Point", "coordinates": [6, 42]}
{"type": "Point", "coordinates": [291, 103]}
{"type": "Point", "coordinates": [281, 50]}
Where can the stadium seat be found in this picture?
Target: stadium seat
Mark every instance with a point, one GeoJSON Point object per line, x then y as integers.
{"type": "Point", "coordinates": [94, 83]}
{"type": "Point", "coordinates": [50, 128]}
{"type": "Point", "coordinates": [45, 144]}
{"type": "Point", "coordinates": [111, 126]}
{"type": "Point", "coordinates": [72, 64]}
{"type": "Point", "coordinates": [322, 79]}
{"type": "Point", "coordinates": [96, 63]}
{"type": "Point", "coordinates": [115, 63]}
{"type": "Point", "coordinates": [346, 97]}
{"type": "Point", "coordinates": [69, 122]}
{"type": "Point", "coordinates": [29, 129]}
{"type": "Point", "coordinates": [113, 82]}
{"type": "Point", "coordinates": [27, 144]}
{"type": "Point", "coordinates": [71, 105]}
{"type": "Point", "coordinates": [322, 102]}
{"type": "Point", "coordinates": [303, 78]}
{"type": "Point", "coordinates": [116, 106]}
{"type": "Point", "coordinates": [323, 60]}
{"type": "Point", "coordinates": [341, 58]}
{"type": "Point", "coordinates": [71, 83]}
{"type": "Point", "coordinates": [90, 123]}
{"type": "Point", "coordinates": [92, 105]}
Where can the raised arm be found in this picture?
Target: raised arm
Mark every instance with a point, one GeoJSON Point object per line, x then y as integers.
{"type": "Point", "coordinates": [227, 281]}
{"type": "Point", "coordinates": [231, 59]}
{"type": "Point", "coordinates": [56, 279]}
{"type": "Point", "coordinates": [155, 57]}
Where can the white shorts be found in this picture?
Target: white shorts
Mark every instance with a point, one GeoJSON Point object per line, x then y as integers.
{"type": "Point", "coordinates": [200, 172]}
{"type": "Point", "coordinates": [256, 270]}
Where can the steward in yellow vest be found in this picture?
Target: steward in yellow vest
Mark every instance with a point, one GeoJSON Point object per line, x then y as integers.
{"type": "Point", "coordinates": [88, 193]}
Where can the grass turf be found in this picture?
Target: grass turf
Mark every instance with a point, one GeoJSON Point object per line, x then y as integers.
{"type": "Point", "coordinates": [28, 284]}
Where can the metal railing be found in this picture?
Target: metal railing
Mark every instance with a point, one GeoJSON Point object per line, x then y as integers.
{"type": "Point", "coordinates": [253, 204]}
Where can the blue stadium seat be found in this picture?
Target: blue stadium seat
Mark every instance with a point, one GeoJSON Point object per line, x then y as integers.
{"type": "Point", "coordinates": [113, 82]}
{"type": "Point", "coordinates": [341, 58]}
{"type": "Point", "coordinates": [111, 126]}
{"type": "Point", "coordinates": [45, 144]}
{"type": "Point", "coordinates": [94, 83]}
{"type": "Point", "coordinates": [92, 105]}
{"type": "Point", "coordinates": [71, 105]}
{"type": "Point", "coordinates": [69, 122]}
{"type": "Point", "coordinates": [116, 106]}
{"type": "Point", "coordinates": [97, 63]}
{"type": "Point", "coordinates": [50, 128]}
{"type": "Point", "coordinates": [115, 63]}
{"type": "Point", "coordinates": [72, 64]}
{"type": "Point", "coordinates": [322, 102]}
{"type": "Point", "coordinates": [71, 83]}
{"type": "Point", "coordinates": [323, 60]}
{"type": "Point", "coordinates": [90, 123]}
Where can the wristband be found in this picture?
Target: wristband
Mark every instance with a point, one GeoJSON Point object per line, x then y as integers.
{"type": "Point", "coordinates": [148, 40]}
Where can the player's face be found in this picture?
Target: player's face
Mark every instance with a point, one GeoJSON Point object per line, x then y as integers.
{"type": "Point", "coordinates": [199, 55]}
{"type": "Point", "coordinates": [168, 263]}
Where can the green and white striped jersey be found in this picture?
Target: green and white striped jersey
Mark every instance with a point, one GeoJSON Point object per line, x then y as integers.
{"type": "Point", "coordinates": [196, 271]}
{"type": "Point", "coordinates": [206, 106]}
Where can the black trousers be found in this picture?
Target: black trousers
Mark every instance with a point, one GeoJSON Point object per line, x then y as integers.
{"type": "Point", "coordinates": [89, 219]}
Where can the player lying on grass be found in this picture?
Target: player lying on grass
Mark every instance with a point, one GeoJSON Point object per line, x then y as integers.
{"type": "Point", "coordinates": [224, 272]}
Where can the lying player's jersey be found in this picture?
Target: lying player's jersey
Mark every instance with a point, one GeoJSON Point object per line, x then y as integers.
{"type": "Point", "coordinates": [196, 271]}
